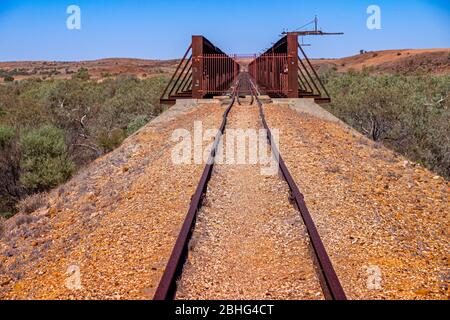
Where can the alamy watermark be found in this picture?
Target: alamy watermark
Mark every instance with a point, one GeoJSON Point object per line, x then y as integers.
{"type": "Point", "coordinates": [238, 146]}
{"type": "Point", "coordinates": [73, 21]}
{"type": "Point", "coordinates": [374, 19]}
{"type": "Point", "coordinates": [73, 279]}
{"type": "Point", "coordinates": [374, 278]}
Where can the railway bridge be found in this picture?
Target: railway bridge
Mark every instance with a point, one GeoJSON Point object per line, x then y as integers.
{"type": "Point", "coordinates": [338, 217]}
{"type": "Point", "coordinates": [282, 71]}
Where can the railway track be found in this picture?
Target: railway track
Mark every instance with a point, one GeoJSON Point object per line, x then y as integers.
{"type": "Point", "coordinates": [329, 281]}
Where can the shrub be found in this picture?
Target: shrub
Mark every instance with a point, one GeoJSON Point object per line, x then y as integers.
{"type": "Point", "coordinates": [32, 203]}
{"type": "Point", "coordinates": [82, 74]}
{"type": "Point", "coordinates": [136, 124]}
{"type": "Point", "coordinates": [2, 225]}
{"type": "Point", "coordinates": [10, 189]}
{"type": "Point", "coordinates": [106, 75]}
{"type": "Point", "coordinates": [6, 214]}
{"type": "Point", "coordinates": [109, 140]}
{"type": "Point", "coordinates": [45, 163]}
{"type": "Point", "coordinates": [7, 135]}
{"type": "Point", "coordinates": [8, 78]}
{"type": "Point", "coordinates": [408, 113]}
{"type": "Point", "coordinates": [93, 117]}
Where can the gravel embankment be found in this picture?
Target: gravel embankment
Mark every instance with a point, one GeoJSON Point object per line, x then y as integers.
{"type": "Point", "coordinates": [249, 242]}
{"type": "Point", "coordinates": [384, 221]}
{"type": "Point", "coordinates": [115, 222]}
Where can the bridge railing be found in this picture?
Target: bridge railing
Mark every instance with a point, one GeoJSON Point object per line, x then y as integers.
{"type": "Point", "coordinates": [219, 72]}
{"type": "Point", "coordinates": [284, 70]}
{"type": "Point", "coordinates": [180, 85]}
{"type": "Point", "coordinates": [204, 71]}
{"type": "Point", "coordinates": [271, 71]}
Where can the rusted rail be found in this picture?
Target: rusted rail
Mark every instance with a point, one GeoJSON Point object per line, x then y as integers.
{"type": "Point", "coordinates": [167, 286]}
{"type": "Point", "coordinates": [331, 285]}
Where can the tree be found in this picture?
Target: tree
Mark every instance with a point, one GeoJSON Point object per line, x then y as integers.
{"type": "Point", "coordinates": [82, 74]}
{"type": "Point", "coordinates": [136, 124]}
{"type": "Point", "coordinates": [10, 189]}
{"type": "Point", "coordinates": [44, 162]}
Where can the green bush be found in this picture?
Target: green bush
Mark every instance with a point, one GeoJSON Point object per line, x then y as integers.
{"type": "Point", "coordinates": [410, 114]}
{"type": "Point", "coordinates": [10, 189]}
{"type": "Point", "coordinates": [136, 124]}
{"type": "Point", "coordinates": [7, 135]}
{"type": "Point", "coordinates": [5, 215]}
{"type": "Point", "coordinates": [82, 74]}
{"type": "Point", "coordinates": [8, 78]}
{"type": "Point", "coordinates": [45, 163]}
{"type": "Point", "coordinates": [109, 140]}
{"type": "Point", "coordinates": [92, 117]}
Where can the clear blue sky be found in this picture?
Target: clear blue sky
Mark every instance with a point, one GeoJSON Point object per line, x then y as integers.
{"type": "Point", "coordinates": [36, 29]}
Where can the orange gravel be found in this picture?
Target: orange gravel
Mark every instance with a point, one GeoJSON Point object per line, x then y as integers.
{"type": "Point", "coordinates": [249, 242]}
{"type": "Point", "coordinates": [116, 222]}
{"type": "Point", "coordinates": [384, 221]}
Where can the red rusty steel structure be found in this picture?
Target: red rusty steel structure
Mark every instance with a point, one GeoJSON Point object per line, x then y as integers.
{"type": "Point", "coordinates": [270, 71]}
{"type": "Point", "coordinates": [283, 71]}
{"type": "Point", "coordinates": [204, 71]}
{"type": "Point", "coordinates": [219, 72]}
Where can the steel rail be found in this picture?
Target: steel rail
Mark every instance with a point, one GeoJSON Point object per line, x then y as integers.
{"type": "Point", "coordinates": [168, 284]}
{"type": "Point", "coordinates": [331, 285]}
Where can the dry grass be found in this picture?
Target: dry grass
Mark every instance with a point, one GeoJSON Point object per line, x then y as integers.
{"type": "Point", "coordinates": [22, 219]}
{"type": "Point", "coordinates": [2, 227]}
{"type": "Point", "coordinates": [33, 203]}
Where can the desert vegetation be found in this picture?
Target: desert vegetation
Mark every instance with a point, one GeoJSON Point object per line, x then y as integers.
{"type": "Point", "coordinates": [50, 129]}
{"type": "Point", "coordinates": [408, 113]}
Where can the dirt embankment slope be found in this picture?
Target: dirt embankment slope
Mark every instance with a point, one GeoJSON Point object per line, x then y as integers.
{"type": "Point", "coordinates": [113, 225]}
{"type": "Point", "coordinates": [384, 220]}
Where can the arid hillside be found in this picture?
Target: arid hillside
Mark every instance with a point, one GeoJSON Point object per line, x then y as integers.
{"type": "Point", "coordinates": [436, 61]}
{"type": "Point", "coordinates": [98, 69]}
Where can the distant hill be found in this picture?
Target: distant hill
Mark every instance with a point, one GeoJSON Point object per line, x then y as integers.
{"type": "Point", "coordinates": [405, 61]}
{"type": "Point", "coordinates": [98, 69]}
{"type": "Point", "coordinates": [435, 61]}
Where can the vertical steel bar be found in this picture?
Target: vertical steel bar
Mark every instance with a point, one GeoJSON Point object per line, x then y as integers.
{"type": "Point", "coordinates": [292, 43]}
{"type": "Point", "coordinates": [197, 67]}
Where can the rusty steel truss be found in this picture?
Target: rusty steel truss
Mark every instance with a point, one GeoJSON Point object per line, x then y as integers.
{"type": "Point", "coordinates": [204, 71]}
{"type": "Point", "coordinates": [283, 71]}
